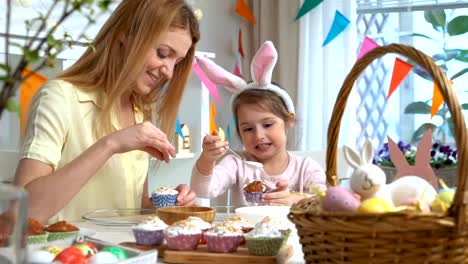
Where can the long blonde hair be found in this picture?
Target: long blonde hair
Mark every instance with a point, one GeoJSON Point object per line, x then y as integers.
{"type": "Point", "coordinates": [114, 69]}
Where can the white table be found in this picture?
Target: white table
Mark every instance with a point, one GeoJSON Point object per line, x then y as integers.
{"type": "Point", "coordinates": [119, 234]}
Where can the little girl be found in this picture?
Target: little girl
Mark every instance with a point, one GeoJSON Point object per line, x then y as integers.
{"type": "Point", "coordinates": [263, 112]}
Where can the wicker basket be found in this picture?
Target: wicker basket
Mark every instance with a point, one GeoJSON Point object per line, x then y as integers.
{"type": "Point", "coordinates": [403, 237]}
{"type": "Point", "coordinates": [449, 175]}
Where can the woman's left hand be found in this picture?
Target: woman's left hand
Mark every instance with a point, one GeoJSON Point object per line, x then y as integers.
{"type": "Point", "coordinates": [280, 195]}
{"type": "Point", "coordinates": [186, 196]}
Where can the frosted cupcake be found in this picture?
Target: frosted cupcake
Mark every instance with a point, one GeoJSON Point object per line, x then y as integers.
{"type": "Point", "coordinates": [183, 235]}
{"type": "Point", "coordinates": [164, 196]}
{"type": "Point", "coordinates": [266, 238]}
{"type": "Point", "coordinates": [223, 238]}
{"type": "Point", "coordinates": [253, 192]}
{"type": "Point", "coordinates": [201, 224]}
{"type": "Point", "coordinates": [150, 232]}
{"type": "Point", "coordinates": [240, 222]}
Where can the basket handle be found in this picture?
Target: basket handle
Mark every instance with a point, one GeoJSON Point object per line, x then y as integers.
{"type": "Point", "coordinates": [461, 196]}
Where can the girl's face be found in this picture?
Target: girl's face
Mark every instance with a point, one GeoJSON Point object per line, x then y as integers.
{"type": "Point", "coordinates": [263, 134]}
{"type": "Point", "coordinates": [161, 61]}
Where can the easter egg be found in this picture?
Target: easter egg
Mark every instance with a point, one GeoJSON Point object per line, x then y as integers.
{"type": "Point", "coordinates": [116, 251]}
{"type": "Point", "coordinates": [339, 199]}
{"type": "Point", "coordinates": [374, 205]}
{"type": "Point", "coordinates": [103, 257]}
{"type": "Point", "coordinates": [53, 249]}
{"type": "Point", "coordinates": [446, 196]}
{"type": "Point", "coordinates": [40, 256]}
{"type": "Point", "coordinates": [71, 255]}
{"type": "Point", "coordinates": [85, 249]}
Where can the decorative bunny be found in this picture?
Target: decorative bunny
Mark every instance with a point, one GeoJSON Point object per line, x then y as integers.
{"type": "Point", "coordinates": [368, 180]}
{"type": "Point", "coordinates": [422, 168]}
{"type": "Point", "coordinates": [261, 70]}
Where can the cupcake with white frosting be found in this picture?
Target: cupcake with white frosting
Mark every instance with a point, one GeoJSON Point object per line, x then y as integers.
{"type": "Point", "coordinates": [267, 237]}
{"type": "Point", "coordinates": [164, 196]}
{"type": "Point", "coordinates": [200, 223]}
{"type": "Point", "coordinates": [150, 232]}
{"type": "Point", "coordinates": [223, 238]}
{"type": "Point", "coordinates": [183, 235]}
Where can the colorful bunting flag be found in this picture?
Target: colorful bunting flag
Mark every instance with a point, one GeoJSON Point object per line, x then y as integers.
{"type": "Point", "coordinates": [239, 43]}
{"type": "Point", "coordinates": [228, 133]}
{"type": "Point", "coordinates": [367, 45]}
{"type": "Point", "coordinates": [400, 70]}
{"type": "Point", "coordinates": [340, 23]}
{"type": "Point", "coordinates": [306, 7]}
{"type": "Point", "coordinates": [27, 90]}
{"type": "Point", "coordinates": [221, 134]}
{"type": "Point", "coordinates": [237, 70]}
{"type": "Point", "coordinates": [243, 10]}
{"type": "Point", "coordinates": [207, 82]}
{"type": "Point", "coordinates": [178, 128]}
{"type": "Point", "coordinates": [437, 100]}
{"type": "Point", "coordinates": [212, 118]}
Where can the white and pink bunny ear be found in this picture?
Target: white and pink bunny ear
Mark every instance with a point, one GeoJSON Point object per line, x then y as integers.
{"type": "Point", "coordinates": [220, 76]}
{"type": "Point", "coordinates": [263, 63]}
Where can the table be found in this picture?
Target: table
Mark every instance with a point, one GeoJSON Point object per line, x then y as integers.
{"type": "Point", "coordinates": [118, 234]}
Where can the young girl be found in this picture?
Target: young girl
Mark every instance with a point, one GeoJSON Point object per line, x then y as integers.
{"type": "Point", "coordinates": [263, 112]}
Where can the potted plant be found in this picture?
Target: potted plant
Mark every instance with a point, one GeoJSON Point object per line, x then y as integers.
{"type": "Point", "coordinates": [446, 26]}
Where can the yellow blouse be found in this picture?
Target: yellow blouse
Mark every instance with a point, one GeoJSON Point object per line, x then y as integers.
{"type": "Point", "coordinates": [60, 127]}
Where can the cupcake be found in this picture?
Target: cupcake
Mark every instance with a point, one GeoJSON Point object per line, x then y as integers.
{"type": "Point", "coordinates": [36, 232]}
{"type": "Point", "coordinates": [150, 232]}
{"type": "Point", "coordinates": [223, 238]}
{"type": "Point", "coordinates": [266, 238]}
{"type": "Point", "coordinates": [240, 223]}
{"type": "Point", "coordinates": [202, 225]}
{"type": "Point", "coordinates": [182, 235]}
{"type": "Point", "coordinates": [164, 196]}
{"type": "Point", "coordinates": [61, 230]}
{"type": "Point", "coordinates": [253, 192]}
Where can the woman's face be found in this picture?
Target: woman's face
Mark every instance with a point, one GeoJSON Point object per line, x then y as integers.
{"type": "Point", "coordinates": [161, 61]}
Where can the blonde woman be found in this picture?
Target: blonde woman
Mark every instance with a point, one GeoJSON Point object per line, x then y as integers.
{"type": "Point", "coordinates": [89, 132]}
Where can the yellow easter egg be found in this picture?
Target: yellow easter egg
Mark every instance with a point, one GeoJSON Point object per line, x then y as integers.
{"type": "Point", "coordinates": [374, 205]}
{"type": "Point", "coordinates": [446, 196]}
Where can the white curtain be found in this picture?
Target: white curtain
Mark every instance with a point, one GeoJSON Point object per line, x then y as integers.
{"type": "Point", "coordinates": [321, 72]}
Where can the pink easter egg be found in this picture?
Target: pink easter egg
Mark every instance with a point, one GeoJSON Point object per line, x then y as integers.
{"type": "Point", "coordinates": [338, 199]}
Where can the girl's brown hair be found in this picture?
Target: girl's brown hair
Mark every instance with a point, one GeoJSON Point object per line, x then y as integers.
{"type": "Point", "coordinates": [266, 100]}
{"type": "Point", "coordinates": [111, 67]}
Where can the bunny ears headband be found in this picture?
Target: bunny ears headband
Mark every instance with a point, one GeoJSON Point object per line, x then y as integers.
{"type": "Point", "coordinates": [261, 70]}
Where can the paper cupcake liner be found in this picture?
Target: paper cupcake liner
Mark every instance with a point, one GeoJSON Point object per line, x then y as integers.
{"type": "Point", "coordinates": [148, 237]}
{"type": "Point", "coordinates": [223, 244]}
{"type": "Point", "coordinates": [253, 198]}
{"type": "Point", "coordinates": [183, 242]}
{"type": "Point", "coordinates": [162, 200]}
{"type": "Point", "coordinates": [53, 236]}
{"type": "Point", "coordinates": [38, 239]}
{"type": "Point", "coordinates": [264, 246]}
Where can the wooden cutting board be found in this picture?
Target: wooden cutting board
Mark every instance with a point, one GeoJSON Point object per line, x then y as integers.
{"type": "Point", "coordinates": [201, 255]}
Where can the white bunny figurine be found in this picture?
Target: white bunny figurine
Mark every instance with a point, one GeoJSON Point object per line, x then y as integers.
{"type": "Point", "coordinates": [368, 180]}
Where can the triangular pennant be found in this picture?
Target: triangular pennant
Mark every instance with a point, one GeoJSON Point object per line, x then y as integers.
{"type": "Point", "coordinates": [437, 100]}
{"type": "Point", "coordinates": [237, 70]}
{"type": "Point", "coordinates": [27, 90]}
{"type": "Point", "coordinates": [207, 82]}
{"type": "Point", "coordinates": [234, 121]}
{"type": "Point", "coordinates": [212, 118]}
{"type": "Point", "coordinates": [306, 7]}
{"type": "Point", "coordinates": [243, 10]}
{"type": "Point", "coordinates": [367, 45]}
{"type": "Point", "coordinates": [340, 23]}
{"type": "Point", "coordinates": [400, 70]}
{"type": "Point", "coordinates": [178, 128]}
{"type": "Point", "coordinates": [228, 133]}
{"type": "Point", "coordinates": [221, 134]}
{"type": "Point", "coordinates": [239, 43]}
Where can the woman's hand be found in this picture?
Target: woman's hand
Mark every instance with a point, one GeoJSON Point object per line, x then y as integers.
{"type": "Point", "coordinates": [144, 136]}
{"type": "Point", "coordinates": [281, 195]}
{"type": "Point", "coordinates": [186, 196]}
{"type": "Point", "coordinates": [213, 147]}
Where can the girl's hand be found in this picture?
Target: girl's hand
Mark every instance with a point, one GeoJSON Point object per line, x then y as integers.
{"type": "Point", "coordinates": [213, 147]}
{"type": "Point", "coordinates": [186, 196]}
{"type": "Point", "coordinates": [281, 195]}
{"type": "Point", "coordinates": [144, 136]}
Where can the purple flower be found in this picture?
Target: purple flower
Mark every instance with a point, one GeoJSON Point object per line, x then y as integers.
{"type": "Point", "coordinates": [437, 166]}
{"type": "Point", "coordinates": [433, 153]}
{"type": "Point", "coordinates": [435, 145]}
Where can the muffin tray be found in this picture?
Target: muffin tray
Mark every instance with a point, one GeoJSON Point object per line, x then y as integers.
{"type": "Point", "coordinates": [201, 255]}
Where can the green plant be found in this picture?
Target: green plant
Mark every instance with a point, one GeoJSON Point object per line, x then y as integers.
{"type": "Point", "coordinates": [41, 46]}
{"type": "Point", "coordinates": [446, 26]}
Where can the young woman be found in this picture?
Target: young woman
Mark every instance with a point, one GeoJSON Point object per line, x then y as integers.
{"type": "Point", "coordinates": [89, 131]}
{"type": "Point", "coordinates": [263, 112]}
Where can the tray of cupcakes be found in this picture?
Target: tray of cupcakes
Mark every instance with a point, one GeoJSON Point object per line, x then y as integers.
{"type": "Point", "coordinates": [65, 243]}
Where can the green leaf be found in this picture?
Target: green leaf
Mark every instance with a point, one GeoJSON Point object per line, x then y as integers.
{"type": "Point", "coordinates": [419, 133]}
{"type": "Point", "coordinates": [451, 126]}
{"type": "Point", "coordinates": [448, 55]}
{"type": "Point", "coordinates": [458, 74]}
{"type": "Point", "coordinates": [462, 54]}
{"type": "Point", "coordinates": [104, 5]}
{"type": "Point", "coordinates": [458, 26]}
{"type": "Point", "coordinates": [12, 106]}
{"type": "Point", "coordinates": [437, 18]}
{"type": "Point", "coordinates": [422, 36]}
{"type": "Point", "coordinates": [418, 108]}
{"type": "Point", "coordinates": [5, 68]}
{"type": "Point", "coordinates": [31, 55]}
{"type": "Point", "coordinates": [464, 106]}
{"type": "Point", "coordinates": [420, 71]}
